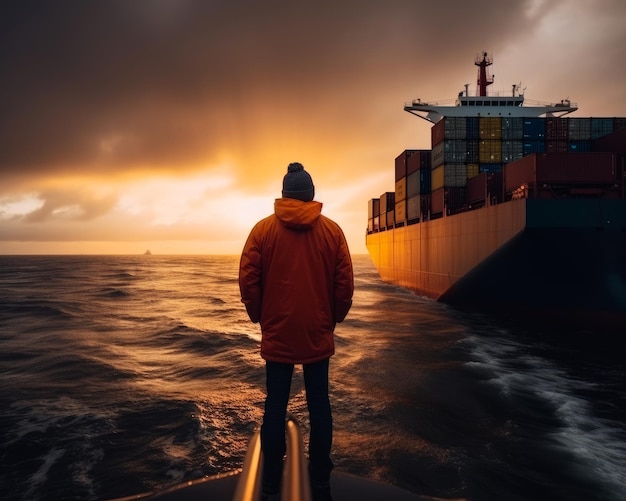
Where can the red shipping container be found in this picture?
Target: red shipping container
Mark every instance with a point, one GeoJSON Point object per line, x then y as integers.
{"type": "Point", "coordinates": [437, 201]}
{"type": "Point", "coordinates": [373, 208]}
{"type": "Point", "coordinates": [556, 146]}
{"type": "Point", "coordinates": [418, 161]}
{"type": "Point", "coordinates": [560, 168]}
{"type": "Point", "coordinates": [455, 200]}
{"type": "Point", "coordinates": [476, 188]}
{"type": "Point", "coordinates": [438, 132]}
{"type": "Point", "coordinates": [494, 187]}
{"type": "Point", "coordinates": [486, 185]}
{"type": "Point", "coordinates": [557, 129]}
{"type": "Point", "coordinates": [401, 162]}
{"type": "Point", "coordinates": [614, 142]}
{"type": "Point", "coordinates": [387, 201]}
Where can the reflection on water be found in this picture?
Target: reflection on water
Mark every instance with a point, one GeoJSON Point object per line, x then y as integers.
{"type": "Point", "coordinates": [121, 374]}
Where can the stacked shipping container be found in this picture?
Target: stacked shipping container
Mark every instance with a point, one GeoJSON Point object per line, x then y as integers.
{"type": "Point", "coordinates": [450, 163]}
{"type": "Point", "coordinates": [427, 183]}
{"type": "Point", "coordinates": [562, 174]}
{"type": "Point", "coordinates": [412, 185]}
{"type": "Point", "coordinates": [373, 215]}
{"type": "Point", "coordinates": [387, 212]}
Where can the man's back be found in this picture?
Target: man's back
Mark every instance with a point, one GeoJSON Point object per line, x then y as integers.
{"type": "Point", "coordinates": [296, 279]}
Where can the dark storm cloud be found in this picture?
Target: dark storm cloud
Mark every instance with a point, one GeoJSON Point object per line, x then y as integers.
{"type": "Point", "coordinates": [72, 205]}
{"type": "Point", "coordinates": [103, 85]}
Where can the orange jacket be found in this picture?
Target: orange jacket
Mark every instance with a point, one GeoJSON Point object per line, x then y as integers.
{"type": "Point", "coordinates": [295, 278]}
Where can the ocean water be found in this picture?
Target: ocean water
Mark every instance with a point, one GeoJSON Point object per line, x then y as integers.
{"type": "Point", "coordinates": [120, 375]}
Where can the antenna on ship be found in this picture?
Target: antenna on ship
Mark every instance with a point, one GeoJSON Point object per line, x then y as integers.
{"type": "Point", "coordinates": [484, 79]}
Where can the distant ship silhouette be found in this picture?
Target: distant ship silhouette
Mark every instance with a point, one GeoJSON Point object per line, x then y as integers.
{"type": "Point", "coordinates": [147, 253]}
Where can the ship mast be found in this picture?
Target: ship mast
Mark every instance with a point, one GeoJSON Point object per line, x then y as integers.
{"type": "Point", "coordinates": [483, 78]}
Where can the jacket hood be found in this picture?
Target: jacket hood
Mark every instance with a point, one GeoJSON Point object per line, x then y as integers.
{"type": "Point", "coordinates": [296, 214]}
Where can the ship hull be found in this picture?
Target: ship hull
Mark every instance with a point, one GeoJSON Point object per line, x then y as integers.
{"type": "Point", "coordinates": [541, 259]}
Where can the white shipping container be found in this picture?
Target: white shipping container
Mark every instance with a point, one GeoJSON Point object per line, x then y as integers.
{"type": "Point", "coordinates": [437, 155]}
{"type": "Point", "coordinates": [400, 189]}
{"type": "Point", "coordinates": [413, 184]}
{"type": "Point", "coordinates": [400, 211]}
{"type": "Point", "coordinates": [413, 207]}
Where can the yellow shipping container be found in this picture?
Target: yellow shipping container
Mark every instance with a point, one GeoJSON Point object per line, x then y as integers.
{"type": "Point", "coordinates": [472, 170]}
{"type": "Point", "coordinates": [490, 151]}
{"type": "Point", "coordinates": [436, 180]}
{"type": "Point", "coordinates": [490, 128]}
{"type": "Point", "coordinates": [401, 189]}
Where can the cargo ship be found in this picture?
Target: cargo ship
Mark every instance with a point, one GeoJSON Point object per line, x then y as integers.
{"type": "Point", "coordinates": [517, 209]}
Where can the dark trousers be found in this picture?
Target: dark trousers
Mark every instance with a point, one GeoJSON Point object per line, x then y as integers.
{"type": "Point", "coordinates": [278, 382]}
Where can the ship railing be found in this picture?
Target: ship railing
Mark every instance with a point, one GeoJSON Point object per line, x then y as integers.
{"type": "Point", "coordinates": [419, 102]}
{"type": "Point", "coordinates": [564, 103]}
{"type": "Point", "coordinates": [295, 482]}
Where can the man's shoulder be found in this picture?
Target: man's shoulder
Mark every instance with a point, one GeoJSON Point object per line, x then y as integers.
{"type": "Point", "coordinates": [329, 222]}
{"type": "Point", "coordinates": [265, 221]}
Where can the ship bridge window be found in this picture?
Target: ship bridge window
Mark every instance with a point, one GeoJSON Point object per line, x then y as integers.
{"type": "Point", "coordinates": [502, 103]}
{"type": "Point", "coordinates": [479, 103]}
{"type": "Point", "coordinates": [472, 103]}
{"type": "Point", "coordinates": [510, 103]}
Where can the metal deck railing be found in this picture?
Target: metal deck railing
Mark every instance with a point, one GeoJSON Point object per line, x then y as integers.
{"type": "Point", "coordinates": [295, 482]}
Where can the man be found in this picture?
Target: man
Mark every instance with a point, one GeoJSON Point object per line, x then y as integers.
{"type": "Point", "coordinates": [296, 279]}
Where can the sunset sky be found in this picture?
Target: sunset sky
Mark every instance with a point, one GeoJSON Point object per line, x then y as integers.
{"type": "Point", "coordinates": [169, 124]}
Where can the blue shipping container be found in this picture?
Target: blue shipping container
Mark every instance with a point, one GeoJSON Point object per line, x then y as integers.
{"type": "Point", "coordinates": [490, 168]}
{"type": "Point", "coordinates": [534, 147]}
{"type": "Point", "coordinates": [534, 128]}
{"type": "Point", "coordinates": [512, 128]}
{"type": "Point", "coordinates": [601, 127]}
{"type": "Point", "coordinates": [472, 151]}
{"type": "Point", "coordinates": [472, 128]}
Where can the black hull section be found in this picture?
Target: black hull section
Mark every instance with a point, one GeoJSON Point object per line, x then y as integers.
{"type": "Point", "coordinates": [563, 276]}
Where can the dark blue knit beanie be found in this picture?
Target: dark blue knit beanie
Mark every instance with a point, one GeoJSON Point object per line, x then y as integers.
{"type": "Point", "coordinates": [297, 183]}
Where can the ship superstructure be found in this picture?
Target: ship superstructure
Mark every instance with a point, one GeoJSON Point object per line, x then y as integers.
{"type": "Point", "coordinates": [496, 104]}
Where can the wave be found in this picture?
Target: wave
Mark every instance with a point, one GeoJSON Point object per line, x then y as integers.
{"type": "Point", "coordinates": [33, 309]}
{"type": "Point", "coordinates": [554, 401]}
{"type": "Point", "coordinates": [115, 293]}
{"type": "Point", "coordinates": [122, 275]}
